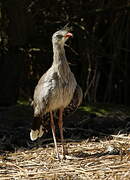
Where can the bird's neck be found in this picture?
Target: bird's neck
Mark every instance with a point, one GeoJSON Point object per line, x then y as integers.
{"type": "Point", "coordinates": [59, 56]}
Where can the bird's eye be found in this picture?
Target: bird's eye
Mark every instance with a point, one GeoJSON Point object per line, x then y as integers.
{"type": "Point", "coordinates": [59, 36]}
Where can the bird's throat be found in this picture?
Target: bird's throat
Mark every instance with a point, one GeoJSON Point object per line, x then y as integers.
{"type": "Point", "coordinates": [59, 55]}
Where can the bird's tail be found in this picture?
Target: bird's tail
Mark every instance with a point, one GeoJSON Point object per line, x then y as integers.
{"type": "Point", "coordinates": [39, 127]}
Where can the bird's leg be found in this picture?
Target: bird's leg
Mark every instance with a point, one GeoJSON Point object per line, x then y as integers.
{"type": "Point", "coordinates": [60, 124]}
{"type": "Point", "coordinates": [54, 135]}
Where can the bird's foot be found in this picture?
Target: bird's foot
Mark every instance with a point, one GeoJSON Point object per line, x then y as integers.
{"type": "Point", "coordinates": [58, 156]}
{"type": "Point", "coordinates": [63, 156]}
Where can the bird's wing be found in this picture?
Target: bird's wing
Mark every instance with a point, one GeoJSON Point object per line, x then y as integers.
{"type": "Point", "coordinates": [42, 97]}
{"type": "Point", "coordinates": [43, 93]}
{"type": "Point", "coordinates": [75, 102]}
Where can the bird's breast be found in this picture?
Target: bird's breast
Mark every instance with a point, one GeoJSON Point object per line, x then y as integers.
{"type": "Point", "coordinates": [62, 92]}
{"type": "Point", "coordinates": [54, 90]}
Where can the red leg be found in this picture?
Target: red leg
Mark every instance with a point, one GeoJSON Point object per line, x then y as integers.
{"type": "Point", "coordinates": [60, 123]}
{"type": "Point", "coordinates": [53, 133]}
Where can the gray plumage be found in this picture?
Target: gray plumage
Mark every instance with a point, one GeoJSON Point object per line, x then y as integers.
{"type": "Point", "coordinates": [56, 89]}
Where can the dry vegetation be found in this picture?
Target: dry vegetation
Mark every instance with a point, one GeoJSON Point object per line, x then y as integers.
{"type": "Point", "coordinates": [93, 153]}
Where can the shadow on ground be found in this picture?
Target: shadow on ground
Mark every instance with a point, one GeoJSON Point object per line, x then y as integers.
{"type": "Point", "coordinates": [15, 123]}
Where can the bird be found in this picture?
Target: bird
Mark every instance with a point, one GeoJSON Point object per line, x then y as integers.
{"type": "Point", "coordinates": [56, 91]}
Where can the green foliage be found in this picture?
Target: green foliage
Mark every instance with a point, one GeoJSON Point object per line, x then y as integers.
{"type": "Point", "coordinates": [106, 109]}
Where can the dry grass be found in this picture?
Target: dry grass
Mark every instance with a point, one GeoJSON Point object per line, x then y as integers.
{"type": "Point", "coordinates": [97, 151]}
{"type": "Point", "coordinates": [107, 159]}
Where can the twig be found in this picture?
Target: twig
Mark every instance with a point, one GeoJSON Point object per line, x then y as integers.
{"type": "Point", "coordinates": [121, 136]}
{"type": "Point", "coordinates": [11, 164]}
{"type": "Point", "coordinates": [72, 49]}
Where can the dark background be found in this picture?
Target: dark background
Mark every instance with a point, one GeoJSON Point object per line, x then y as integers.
{"type": "Point", "coordinates": [99, 53]}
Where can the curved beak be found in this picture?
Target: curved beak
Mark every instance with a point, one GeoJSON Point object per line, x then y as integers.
{"type": "Point", "coordinates": [68, 35]}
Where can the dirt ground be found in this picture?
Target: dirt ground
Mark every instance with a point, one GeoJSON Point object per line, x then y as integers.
{"type": "Point", "coordinates": [98, 144]}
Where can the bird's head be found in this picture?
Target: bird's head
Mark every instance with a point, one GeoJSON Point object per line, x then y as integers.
{"type": "Point", "coordinates": [61, 36]}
